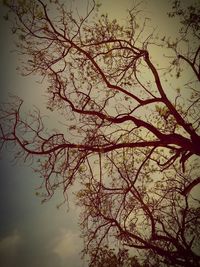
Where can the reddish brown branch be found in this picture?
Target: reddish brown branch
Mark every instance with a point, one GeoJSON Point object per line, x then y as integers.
{"type": "Point", "coordinates": [190, 186]}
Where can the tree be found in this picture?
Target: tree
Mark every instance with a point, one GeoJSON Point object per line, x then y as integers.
{"type": "Point", "coordinates": [132, 143]}
{"type": "Point", "coordinates": [108, 257]}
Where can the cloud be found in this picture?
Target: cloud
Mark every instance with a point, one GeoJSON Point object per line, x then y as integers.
{"type": "Point", "coordinates": [10, 242]}
{"type": "Point", "coordinates": [67, 244]}
{"type": "Point", "coordinates": [9, 246]}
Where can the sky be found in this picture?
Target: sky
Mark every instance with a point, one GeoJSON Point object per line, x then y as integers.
{"type": "Point", "coordinates": [34, 234]}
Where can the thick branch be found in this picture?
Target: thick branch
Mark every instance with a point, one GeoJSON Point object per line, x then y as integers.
{"type": "Point", "coordinates": [189, 187]}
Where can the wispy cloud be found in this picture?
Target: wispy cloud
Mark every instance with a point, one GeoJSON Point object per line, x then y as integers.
{"type": "Point", "coordinates": [9, 246]}
{"type": "Point", "coordinates": [10, 242]}
{"type": "Point", "coordinates": [67, 244]}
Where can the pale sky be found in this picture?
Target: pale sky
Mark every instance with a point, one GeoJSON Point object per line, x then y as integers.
{"type": "Point", "coordinates": [32, 234]}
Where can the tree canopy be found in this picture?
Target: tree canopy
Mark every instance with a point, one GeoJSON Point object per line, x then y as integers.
{"type": "Point", "coordinates": [128, 137]}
